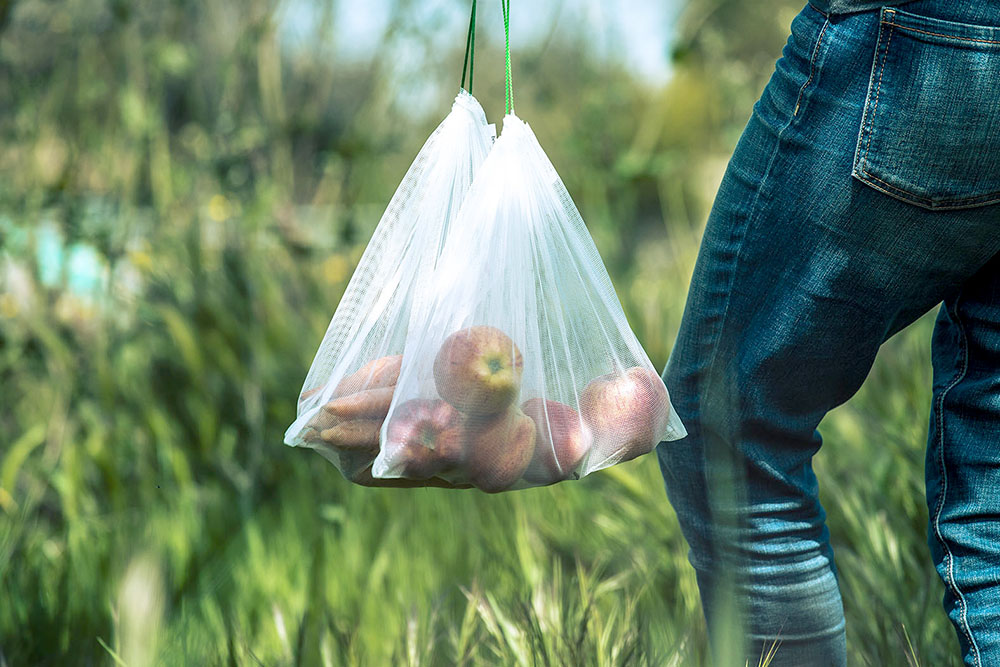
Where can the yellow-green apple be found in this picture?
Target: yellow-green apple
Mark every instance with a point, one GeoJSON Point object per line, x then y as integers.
{"type": "Point", "coordinates": [498, 449]}
{"type": "Point", "coordinates": [478, 370]}
{"type": "Point", "coordinates": [561, 440]}
{"type": "Point", "coordinates": [426, 434]}
{"type": "Point", "coordinates": [626, 410]}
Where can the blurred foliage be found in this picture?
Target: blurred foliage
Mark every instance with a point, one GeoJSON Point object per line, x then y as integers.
{"type": "Point", "coordinates": [182, 200]}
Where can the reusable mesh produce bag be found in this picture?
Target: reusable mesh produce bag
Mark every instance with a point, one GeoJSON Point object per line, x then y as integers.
{"type": "Point", "coordinates": [359, 357]}
{"type": "Point", "coordinates": [519, 367]}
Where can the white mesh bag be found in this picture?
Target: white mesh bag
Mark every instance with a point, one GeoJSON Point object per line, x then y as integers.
{"type": "Point", "coordinates": [358, 360]}
{"type": "Point", "coordinates": [519, 368]}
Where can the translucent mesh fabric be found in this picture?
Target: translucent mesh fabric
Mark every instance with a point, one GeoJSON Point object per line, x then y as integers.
{"type": "Point", "coordinates": [372, 321]}
{"type": "Point", "coordinates": [519, 367]}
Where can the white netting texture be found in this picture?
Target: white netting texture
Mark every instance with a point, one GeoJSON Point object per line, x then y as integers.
{"type": "Point", "coordinates": [372, 321]}
{"type": "Point", "coordinates": [519, 367]}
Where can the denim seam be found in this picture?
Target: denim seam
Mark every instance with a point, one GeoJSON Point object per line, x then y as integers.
{"type": "Point", "coordinates": [750, 223]}
{"type": "Point", "coordinates": [812, 67]}
{"type": "Point", "coordinates": [942, 204]}
{"type": "Point", "coordinates": [943, 468]}
{"type": "Point", "coordinates": [938, 34]}
{"type": "Point", "coordinates": [861, 149]}
{"type": "Point", "coordinates": [878, 91]}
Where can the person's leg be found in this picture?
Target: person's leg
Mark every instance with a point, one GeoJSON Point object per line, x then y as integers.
{"type": "Point", "coordinates": [803, 272]}
{"type": "Point", "coordinates": [963, 463]}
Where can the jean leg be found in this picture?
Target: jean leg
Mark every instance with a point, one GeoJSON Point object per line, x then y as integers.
{"type": "Point", "coordinates": [750, 511]}
{"type": "Point", "coordinates": [963, 463]}
{"type": "Point", "coordinates": [742, 482]}
{"type": "Point", "coordinates": [802, 274]}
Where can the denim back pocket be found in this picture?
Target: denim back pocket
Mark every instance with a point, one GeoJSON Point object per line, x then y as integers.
{"type": "Point", "coordinates": [930, 134]}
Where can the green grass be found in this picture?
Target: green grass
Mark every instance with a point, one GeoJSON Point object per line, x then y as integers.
{"type": "Point", "coordinates": [151, 515]}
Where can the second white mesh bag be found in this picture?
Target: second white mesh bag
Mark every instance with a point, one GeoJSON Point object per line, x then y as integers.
{"type": "Point", "coordinates": [519, 368]}
{"type": "Point", "coordinates": [359, 357]}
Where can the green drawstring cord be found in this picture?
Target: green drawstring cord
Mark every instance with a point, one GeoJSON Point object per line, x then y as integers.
{"type": "Point", "coordinates": [505, 5]}
{"type": "Point", "coordinates": [470, 49]}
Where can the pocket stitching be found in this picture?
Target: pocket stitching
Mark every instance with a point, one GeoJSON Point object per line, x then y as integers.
{"type": "Point", "coordinates": [990, 198]}
{"type": "Point", "coordinates": [878, 91]}
{"type": "Point", "coordinates": [938, 34]}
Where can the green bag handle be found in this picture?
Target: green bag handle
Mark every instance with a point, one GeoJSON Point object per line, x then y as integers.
{"type": "Point", "coordinates": [505, 5]}
{"type": "Point", "coordinates": [470, 49]}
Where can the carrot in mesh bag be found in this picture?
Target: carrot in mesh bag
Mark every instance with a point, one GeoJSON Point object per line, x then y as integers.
{"type": "Point", "coordinates": [519, 367]}
{"type": "Point", "coordinates": [349, 386]}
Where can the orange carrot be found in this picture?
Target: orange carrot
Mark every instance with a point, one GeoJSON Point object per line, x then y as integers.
{"type": "Point", "coordinates": [356, 434]}
{"type": "Point", "coordinates": [383, 372]}
{"type": "Point", "coordinates": [371, 403]}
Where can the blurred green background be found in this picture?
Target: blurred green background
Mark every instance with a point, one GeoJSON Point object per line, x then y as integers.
{"type": "Point", "coordinates": [186, 187]}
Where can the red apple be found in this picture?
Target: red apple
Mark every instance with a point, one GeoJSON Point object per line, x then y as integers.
{"type": "Point", "coordinates": [498, 449]}
{"type": "Point", "coordinates": [478, 370]}
{"type": "Point", "coordinates": [427, 435]}
{"type": "Point", "coordinates": [626, 409]}
{"type": "Point", "coordinates": [560, 441]}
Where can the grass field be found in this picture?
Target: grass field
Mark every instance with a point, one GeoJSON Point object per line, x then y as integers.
{"type": "Point", "coordinates": [150, 514]}
{"type": "Point", "coordinates": [181, 205]}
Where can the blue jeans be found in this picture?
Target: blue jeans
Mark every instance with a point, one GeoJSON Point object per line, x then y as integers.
{"type": "Point", "coordinates": [863, 192]}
